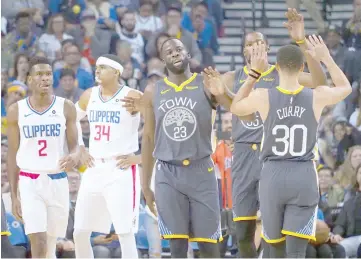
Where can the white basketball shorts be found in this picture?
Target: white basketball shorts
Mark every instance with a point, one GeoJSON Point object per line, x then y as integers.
{"type": "Point", "coordinates": [44, 202]}
{"type": "Point", "coordinates": [108, 195]}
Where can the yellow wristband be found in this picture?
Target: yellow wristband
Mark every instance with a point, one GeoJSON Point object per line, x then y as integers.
{"type": "Point", "coordinates": [301, 41]}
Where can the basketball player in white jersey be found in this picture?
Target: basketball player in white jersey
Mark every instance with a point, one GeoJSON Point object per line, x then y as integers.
{"type": "Point", "coordinates": [109, 192]}
{"type": "Point", "coordinates": [38, 128]}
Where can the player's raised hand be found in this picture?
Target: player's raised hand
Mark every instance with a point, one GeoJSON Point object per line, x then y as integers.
{"type": "Point", "coordinates": [16, 208]}
{"type": "Point", "coordinates": [132, 104]}
{"type": "Point", "coordinates": [317, 48]}
{"type": "Point", "coordinates": [295, 25]}
{"type": "Point", "coordinates": [212, 80]}
{"type": "Point", "coordinates": [259, 59]}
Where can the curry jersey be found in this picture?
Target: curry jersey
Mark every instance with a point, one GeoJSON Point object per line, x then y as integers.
{"type": "Point", "coordinates": [290, 129]}
{"type": "Point", "coordinates": [251, 131]}
{"type": "Point", "coordinates": [183, 118]}
{"type": "Point", "coordinates": [113, 130]}
{"type": "Point", "coordinates": [42, 136]}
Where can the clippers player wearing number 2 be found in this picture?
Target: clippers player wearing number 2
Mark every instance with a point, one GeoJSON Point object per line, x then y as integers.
{"type": "Point", "coordinates": [110, 189]}
{"type": "Point", "coordinates": [38, 128]}
{"type": "Point", "coordinates": [288, 185]}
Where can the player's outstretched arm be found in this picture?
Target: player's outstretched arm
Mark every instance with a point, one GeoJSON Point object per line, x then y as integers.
{"type": "Point", "coordinates": [325, 95]}
{"type": "Point", "coordinates": [296, 29]}
{"type": "Point", "coordinates": [148, 147]}
{"type": "Point", "coordinates": [13, 134]}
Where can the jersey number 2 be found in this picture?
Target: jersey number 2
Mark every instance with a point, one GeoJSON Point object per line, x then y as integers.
{"type": "Point", "coordinates": [43, 145]}
{"type": "Point", "coordinates": [288, 140]}
{"type": "Point", "coordinates": [102, 130]}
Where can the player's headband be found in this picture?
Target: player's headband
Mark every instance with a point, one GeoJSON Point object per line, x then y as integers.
{"type": "Point", "coordinates": [111, 63]}
{"type": "Point", "coordinates": [16, 88]}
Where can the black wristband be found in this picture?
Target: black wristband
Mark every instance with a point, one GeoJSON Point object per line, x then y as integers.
{"type": "Point", "coordinates": [255, 77]}
{"type": "Point", "coordinates": [256, 72]}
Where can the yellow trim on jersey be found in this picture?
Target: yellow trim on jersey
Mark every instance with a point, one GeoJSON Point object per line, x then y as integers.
{"type": "Point", "coordinates": [291, 233]}
{"type": "Point", "coordinates": [205, 240]}
{"type": "Point", "coordinates": [180, 87]}
{"type": "Point", "coordinates": [245, 218]}
{"type": "Point", "coordinates": [175, 236]}
{"type": "Point", "coordinates": [265, 73]}
{"type": "Point", "coordinates": [273, 241]}
{"type": "Point", "coordinates": [285, 91]}
{"type": "Point", "coordinates": [262, 142]}
{"type": "Point", "coordinates": [5, 233]}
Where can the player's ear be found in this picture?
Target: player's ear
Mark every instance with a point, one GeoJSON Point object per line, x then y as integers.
{"type": "Point", "coordinates": [277, 67]}
{"type": "Point", "coordinates": [189, 55]}
{"type": "Point", "coordinates": [29, 79]}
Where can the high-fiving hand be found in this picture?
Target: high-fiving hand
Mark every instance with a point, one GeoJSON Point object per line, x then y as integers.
{"type": "Point", "coordinates": [317, 49]}
{"type": "Point", "coordinates": [259, 59]}
{"type": "Point", "coordinates": [295, 25]}
{"type": "Point", "coordinates": [212, 80]}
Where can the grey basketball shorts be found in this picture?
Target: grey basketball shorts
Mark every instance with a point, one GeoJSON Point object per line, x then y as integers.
{"type": "Point", "coordinates": [288, 200]}
{"type": "Point", "coordinates": [187, 201]}
{"type": "Point", "coordinates": [246, 168]}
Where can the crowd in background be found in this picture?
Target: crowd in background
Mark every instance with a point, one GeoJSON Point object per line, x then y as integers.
{"type": "Point", "coordinates": [72, 34]}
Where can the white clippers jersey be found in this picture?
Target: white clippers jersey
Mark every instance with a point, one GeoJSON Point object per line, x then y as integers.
{"type": "Point", "coordinates": [42, 136]}
{"type": "Point", "coordinates": [113, 130]}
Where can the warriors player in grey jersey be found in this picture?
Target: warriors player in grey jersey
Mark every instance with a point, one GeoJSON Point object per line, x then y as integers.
{"type": "Point", "coordinates": [290, 112]}
{"type": "Point", "coordinates": [247, 132]}
{"type": "Point", "coordinates": [178, 126]}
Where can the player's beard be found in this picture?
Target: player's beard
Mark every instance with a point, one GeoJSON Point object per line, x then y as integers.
{"type": "Point", "coordinates": [180, 70]}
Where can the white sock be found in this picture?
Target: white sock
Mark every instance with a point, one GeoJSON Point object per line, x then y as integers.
{"type": "Point", "coordinates": [51, 246]}
{"type": "Point", "coordinates": [83, 248]}
{"type": "Point", "coordinates": [128, 245]}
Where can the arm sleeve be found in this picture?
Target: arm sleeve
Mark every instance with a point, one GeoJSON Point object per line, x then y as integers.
{"type": "Point", "coordinates": [80, 114]}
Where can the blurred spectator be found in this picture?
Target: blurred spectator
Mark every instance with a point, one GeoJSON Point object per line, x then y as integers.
{"type": "Point", "coordinates": [10, 9]}
{"type": "Point", "coordinates": [22, 38]}
{"type": "Point", "coordinates": [104, 12]}
{"type": "Point", "coordinates": [355, 118]}
{"type": "Point", "coordinates": [159, 7]}
{"type": "Point", "coordinates": [352, 28]}
{"type": "Point", "coordinates": [106, 246]}
{"type": "Point", "coordinates": [134, 38]}
{"type": "Point", "coordinates": [312, 9]}
{"type": "Point", "coordinates": [162, 37]}
{"type": "Point", "coordinates": [346, 175]}
{"type": "Point", "coordinates": [173, 29]}
{"type": "Point", "coordinates": [124, 52]}
{"type": "Point", "coordinates": [204, 31]}
{"type": "Point", "coordinates": [152, 77]}
{"type": "Point", "coordinates": [59, 64]}
{"type": "Point", "coordinates": [215, 13]}
{"type": "Point", "coordinates": [72, 57]}
{"type": "Point", "coordinates": [130, 77]}
{"type": "Point", "coordinates": [334, 43]}
{"type": "Point", "coordinates": [122, 6]}
{"type": "Point", "coordinates": [50, 41]}
{"type": "Point", "coordinates": [347, 230]}
{"type": "Point", "coordinates": [330, 193]}
{"type": "Point", "coordinates": [70, 8]}
{"type": "Point", "coordinates": [21, 68]}
{"type": "Point", "coordinates": [146, 21]}
{"type": "Point", "coordinates": [67, 88]}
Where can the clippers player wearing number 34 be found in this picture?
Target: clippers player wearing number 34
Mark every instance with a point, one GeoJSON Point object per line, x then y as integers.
{"type": "Point", "coordinates": [110, 188]}
{"type": "Point", "coordinates": [288, 185]}
{"type": "Point", "coordinates": [38, 128]}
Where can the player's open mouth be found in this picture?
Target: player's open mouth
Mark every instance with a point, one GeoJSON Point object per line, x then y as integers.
{"type": "Point", "coordinates": [177, 62]}
{"type": "Point", "coordinates": [45, 86]}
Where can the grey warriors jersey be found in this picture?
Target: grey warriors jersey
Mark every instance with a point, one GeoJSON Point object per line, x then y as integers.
{"type": "Point", "coordinates": [251, 131]}
{"type": "Point", "coordinates": [290, 130]}
{"type": "Point", "coordinates": [183, 118]}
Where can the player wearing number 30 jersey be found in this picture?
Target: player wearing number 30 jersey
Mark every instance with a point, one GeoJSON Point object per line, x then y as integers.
{"type": "Point", "coordinates": [109, 193]}
{"type": "Point", "coordinates": [288, 184]}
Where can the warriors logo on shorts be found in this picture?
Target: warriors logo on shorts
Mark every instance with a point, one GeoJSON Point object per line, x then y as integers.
{"type": "Point", "coordinates": [179, 123]}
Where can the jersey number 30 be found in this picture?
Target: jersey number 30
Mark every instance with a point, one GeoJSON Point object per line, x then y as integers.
{"type": "Point", "coordinates": [288, 140]}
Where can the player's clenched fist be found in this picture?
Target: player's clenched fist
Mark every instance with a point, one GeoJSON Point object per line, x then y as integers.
{"type": "Point", "coordinates": [259, 61]}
